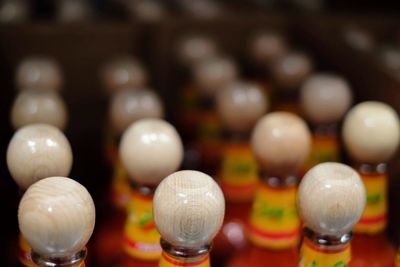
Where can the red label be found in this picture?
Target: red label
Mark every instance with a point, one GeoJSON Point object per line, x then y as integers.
{"type": "Point", "coordinates": [169, 261]}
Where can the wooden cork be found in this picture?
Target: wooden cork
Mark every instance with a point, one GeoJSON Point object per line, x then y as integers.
{"type": "Point", "coordinates": [32, 106]}
{"type": "Point", "coordinates": [331, 199]}
{"type": "Point", "coordinates": [38, 151]}
{"type": "Point", "coordinates": [267, 46]}
{"type": "Point", "coordinates": [194, 48]}
{"type": "Point", "coordinates": [292, 69]}
{"type": "Point", "coordinates": [56, 216]}
{"type": "Point", "coordinates": [150, 150]}
{"type": "Point", "coordinates": [188, 209]}
{"type": "Point", "coordinates": [40, 73]}
{"type": "Point", "coordinates": [281, 143]}
{"type": "Point", "coordinates": [123, 72]}
{"type": "Point", "coordinates": [213, 74]}
{"type": "Point", "coordinates": [240, 105]}
{"type": "Point", "coordinates": [130, 105]}
{"type": "Point", "coordinates": [325, 98]}
{"type": "Point", "coordinates": [371, 132]}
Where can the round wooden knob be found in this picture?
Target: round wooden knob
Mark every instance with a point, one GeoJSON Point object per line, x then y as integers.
{"type": "Point", "coordinates": [73, 10]}
{"type": "Point", "coordinates": [267, 46]}
{"type": "Point", "coordinates": [123, 72]}
{"type": "Point", "coordinates": [188, 209]}
{"type": "Point", "coordinates": [14, 11]}
{"type": "Point", "coordinates": [331, 198]}
{"type": "Point", "coordinates": [371, 132]}
{"type": "Point", "coordinates": [325, 98]}
{"type": "Point", "coordinates": [42, 150]}
{"type": "Point", "coordinates": [240, 105]}
{"type": "Point", "coordinates": [281, 143]}
{"type": "Point", "coordinates": [150, 150]}
{"type": "Point", "coordinates": [32, 106]}
{"type": "Point", "coordinates": [56, 216]}
{"type": "Point", "coordinates": [213, 74]}
{"type": "Point", "coordinates": [194, 48]}
{"type": "Point", "coordinates": [359, 38]}
{"type": "Point", "coordinates": [291, 69]}
{"type": "Point", "coordinates": [130, 105]}
{"type": "Point", "coordinates": [146, 11]}
{"type": "Point", "coordinates": [40, 73]}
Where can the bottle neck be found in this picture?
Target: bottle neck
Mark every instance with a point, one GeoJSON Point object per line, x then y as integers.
{"type": "Point", "coordinates": [274, 222]}
{"type": "Point", "coordinates": [76, 260]}
{"type": "Point", "coordinates": [322, 250]}
{"type": "Point", "coordinates": [177, 256]}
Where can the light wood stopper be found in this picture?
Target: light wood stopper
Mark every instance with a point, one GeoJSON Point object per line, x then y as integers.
{"type": "Point", "coordinates": [73, 10]}
{"type": "Point", "coordinates": [33, 106]}
{"type": "Point", "coordinates": [267, 46]}
{"type": "Point", "coordinates": [38, 151]}
{"type": "Point", "coordinates": [213, 74]}
{"type": "Point", "coordinates": [123, 72]}
{"type": "Point", "coordinates": [40, 73]}
{"type": "Point", "coordinates": [130, 105]}
{"type": "Point", "coordinates": [292, 69]}
{"type": "Point", "coordinates": [188, 209]}
{"type": "Point", "coordinates": [14, 11]}
{"type": "Point", "coordinates": [194, 48]}
{"type": "Point", "coordinates": [325, 98]}
{"type": "Point", "coordinates": [371, 132]}
{"type": "Point", "coordinates": [150, 150]}
{"type": "Point", "coordinates": [146, 11]}
{"type": "Point", "coordinates": [359, 38]}
{"type": "Point", "coordinates": [56, 216]}
{"type": "Point", "coordinates": [281, 143]}
{"type": "Point", "coordinates": [331, 198]}
{"type": "Point", "coordinates": [240, 105]}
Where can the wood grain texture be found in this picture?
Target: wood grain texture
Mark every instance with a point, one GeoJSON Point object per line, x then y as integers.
{"type": "Point", "coordinates": [40, 73]}
{"type": "Point", "coordinates": [371, 132]}
{"type": "Point", "coordinates": [240, 105]}
{"type": "Point", "coordinates": [151, 149]}
{"type": "Point", "coordinates": [36, 106]}
{"type": "Point", "coordinates": [331, 198]}
{"type": "Point", "coordinates": [188, 209]}
{"type": "Point", "coordinates": [325, 98]}
{"type": "Point", "coordinates": [281, 143]}
{"type": "Point", "coordinates": [38, 151]}
{"type": "Point", "coordinates": [56, 216]}
{"type": "Point", "coordinates": [130, 105]}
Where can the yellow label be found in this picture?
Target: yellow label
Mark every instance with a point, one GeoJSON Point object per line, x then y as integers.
{"type": "Point", "coordinates": [313, 256]}
{"type": "Point", "coordinates": [398, 259]}
{"type": "Point", "coordinates": [239, 174]}
{"type": "Point", "coordinates": [324, 149]}
{"type": "Point", "coordinates": [374, 217]}
{"type": "Point", "coordinates": [121, 191]}
{"type": "Point", "coordinates": [169, 261]}
{"type": "Point", "coordinates": [274, 222]}
{"type": "Point", "coordinates": [142, 240]}
{"type": "Point", "coordinates": [24, 253]}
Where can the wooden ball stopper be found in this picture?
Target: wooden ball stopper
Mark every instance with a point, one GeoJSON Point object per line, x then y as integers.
{"type": "Point", "coordinates": [40, 73]}
{"type": "Point", "coordinates": [195, 48]}
{"type": "Point", "coordinates": [38, 151]}
{"type": "Point", "coordinates": [56, 216]}
{"type": "Point", "coordinates": [213, 74]}
{"type": "Point", "coordinates": [281, 143]}
{"type": "Point", "coordinates": [146, 11]}
{"type": "Point", "coordinates": [291, 69]}
{"type": "Point", "coordinates": [325, 98]}
{"type": "Point", "coordinates": [371, 132]}
{"type": "Point", "coordinates": [267, 46]}
{"type": "Point", "coordinates": [188, 209]}
{"type": "Point", "coordinates": [123, 72]}
{"type": "Point", "coordinates": [130, 105]}
{"type": "Point", "coordinates": [32, 106]}
{"type": "Point", "coordinates": [14, 11]}
{"type": "Point", "coordinates": [240, 105]}
{"type": "Point", "coordinates": [331, 199]}
{"type": "Point", "coordinates": [150, 150]}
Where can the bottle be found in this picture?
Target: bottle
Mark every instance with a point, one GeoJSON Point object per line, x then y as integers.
{"type": "Point", "coordinates": [371, 134]}
{"type": "Point", "coordinates": [43, 151]}
{"type": "Point", "coordinates": [289, 71]}
{"type": "Point", "coordinates": [239, 106]}
{"type": "Point", "coordinates": [324, 99]}
{"type": "Point", "coordinates": [331, 200]}
{"type": "Point", "coordinates": [150, 150]}
{"type": "Point", "coordinates": [56, 216]}
{"type": "Point", "coordinates": [188, 212]}
{"type": "Point", "coordinates": [281, 143]}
